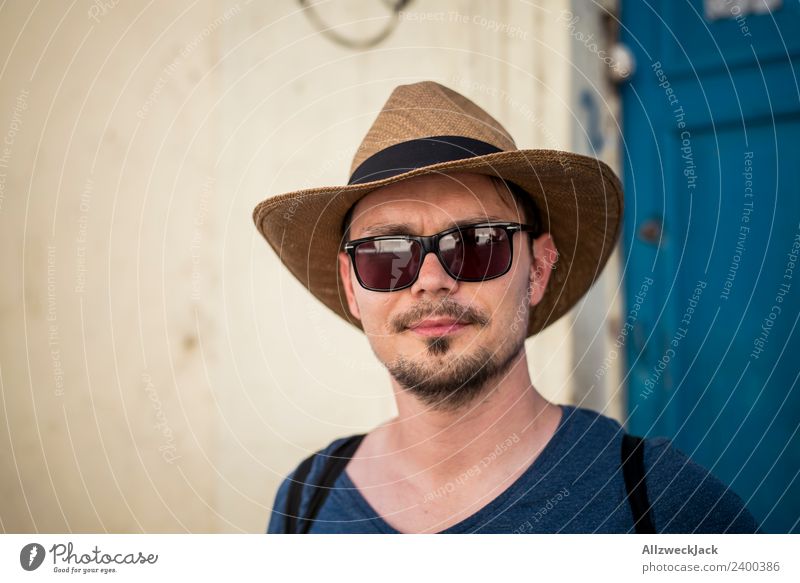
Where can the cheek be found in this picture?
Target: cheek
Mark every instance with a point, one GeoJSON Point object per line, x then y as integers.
{"type": "Point", "coordinates": [376, 309]}
{"type": "Point", "coordinates": [506, 300]}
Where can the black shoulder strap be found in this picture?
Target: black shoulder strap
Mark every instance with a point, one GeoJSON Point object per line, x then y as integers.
{"type": "Point", "coordinates": [294, 496]}
{"type": "Point", "coordinates": [633, 471]}
{"type": "Point", "coordinates": [334, 465]}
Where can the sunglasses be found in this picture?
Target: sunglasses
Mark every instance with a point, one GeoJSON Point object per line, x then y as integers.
{"type": "Point", "coordinates": [472, 253]}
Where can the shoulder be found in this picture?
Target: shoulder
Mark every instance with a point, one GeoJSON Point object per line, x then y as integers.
{"type": "Point", "coordinates": [318, 460]}
{"type": "Point", "coordinates": [595, 434]}
{"type": "Point", "coordinates": [687, 498]}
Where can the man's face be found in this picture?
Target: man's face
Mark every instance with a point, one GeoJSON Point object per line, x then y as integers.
{"type": "Point", "coordinates": [443, 340]}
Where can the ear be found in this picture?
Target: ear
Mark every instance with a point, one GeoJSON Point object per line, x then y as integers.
{"type": "Point", "coordinates": [347, 283]}
{"type": "Point", "coordinates": [545, 256]}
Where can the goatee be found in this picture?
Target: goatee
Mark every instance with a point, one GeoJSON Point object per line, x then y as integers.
{"type": "Point", "coordinates": [453, 385]}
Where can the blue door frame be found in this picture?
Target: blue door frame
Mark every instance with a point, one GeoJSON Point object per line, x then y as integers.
{"type": "Point", "coordinates": [711, 153]}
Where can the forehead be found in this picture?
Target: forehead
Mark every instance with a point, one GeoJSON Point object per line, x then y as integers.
{"type": "Point", "coordinates": [431, 200]}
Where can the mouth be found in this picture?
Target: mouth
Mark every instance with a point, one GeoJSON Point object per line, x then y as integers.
{"type": "Point", "coordinates": [438, 326]}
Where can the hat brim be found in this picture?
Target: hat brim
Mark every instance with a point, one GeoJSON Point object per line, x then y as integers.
{"type": "Point", "coordinates": [580, 199]}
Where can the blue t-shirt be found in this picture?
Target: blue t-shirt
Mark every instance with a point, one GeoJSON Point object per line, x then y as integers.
{"type": "Point", "coordinates": [575, 485]}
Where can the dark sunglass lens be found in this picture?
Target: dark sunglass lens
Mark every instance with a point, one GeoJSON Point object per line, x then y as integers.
{"type": "Point", "coordinates": [387, 264]}
{"type": "Point", "coordinates": [476, 252]}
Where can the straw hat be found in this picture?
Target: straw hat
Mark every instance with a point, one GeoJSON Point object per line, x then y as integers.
{"type": "Point", "coordinates": [428, 128]}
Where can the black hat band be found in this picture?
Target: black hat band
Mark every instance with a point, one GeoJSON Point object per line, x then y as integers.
{"type": "Point", "coordinates": [418, 153]}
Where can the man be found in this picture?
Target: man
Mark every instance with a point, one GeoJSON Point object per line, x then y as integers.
{"type": "Point", "coordinates": [448, 248]}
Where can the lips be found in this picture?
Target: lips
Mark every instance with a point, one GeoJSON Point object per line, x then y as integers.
{"type": "Point", "coordinates": [438, 326]}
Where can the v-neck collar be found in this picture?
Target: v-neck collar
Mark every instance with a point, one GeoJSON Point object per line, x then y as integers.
{"type": "Point", "coordinates": [476, 520]}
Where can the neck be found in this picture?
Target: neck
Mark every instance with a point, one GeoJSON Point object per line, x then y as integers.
{"type": "Point", "coordinates": [445, 443]}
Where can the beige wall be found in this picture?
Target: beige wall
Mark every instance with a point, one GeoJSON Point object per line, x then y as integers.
{"type": "Point", "coordinates": [159, 370]}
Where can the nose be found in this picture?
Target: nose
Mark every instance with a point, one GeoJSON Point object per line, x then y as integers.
{"type": "Point", "coordinates": [433, 278]}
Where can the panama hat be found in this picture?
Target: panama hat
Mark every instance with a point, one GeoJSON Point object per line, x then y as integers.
{"type": "Point", "coordinates": [427, 128]}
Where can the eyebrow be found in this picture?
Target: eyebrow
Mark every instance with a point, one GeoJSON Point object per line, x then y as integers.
{"type": "Point", "coordinates": [405, 229]}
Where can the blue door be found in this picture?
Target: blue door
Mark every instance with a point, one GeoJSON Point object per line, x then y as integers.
{"type": "Point", "coordinates": [712, 176]}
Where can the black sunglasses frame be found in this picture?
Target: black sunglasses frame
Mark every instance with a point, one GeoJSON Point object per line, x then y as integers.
{"type": "Point", "coordinates": [430, 244]}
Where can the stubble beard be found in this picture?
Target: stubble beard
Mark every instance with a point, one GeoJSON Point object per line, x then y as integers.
{"type": "Point", "coordinates": [454, 384]}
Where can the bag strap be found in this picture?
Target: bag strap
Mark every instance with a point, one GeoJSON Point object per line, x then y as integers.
{"type": "Point", "coordinates": [633, 471]}
{"type": "Point", "coordinates": [335, 463]}
{"type": "Point", "coordinates": [294, 496]}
